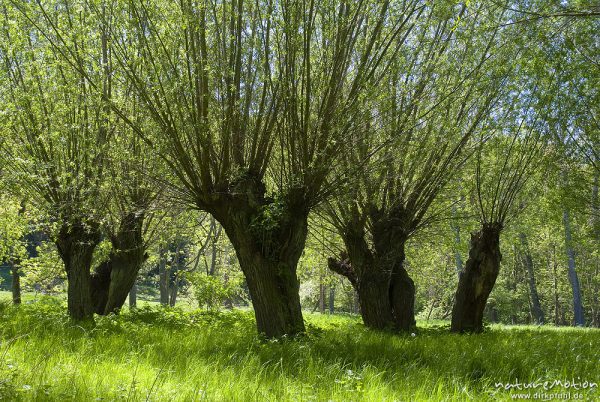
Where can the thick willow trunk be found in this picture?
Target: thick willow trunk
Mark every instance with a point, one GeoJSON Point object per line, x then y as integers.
{"type": "Point", "coordinates": [402, 298]}
{"type": "Point", "coordinates": [477, 280]}
{"type": "Point", "coordinates": [99, 285]}
{"type": "Point", "coordinates": [113, 279]}
{"type": "Point", "coordinates": [385, 291]}
{"type": "Point", "coordinates": [268, 251]}
{"type": "Point", "coordinates": [274, 289]}
{"type": "Point", "coordinates": [272, 281]}
{"type": "Point", "coordinates": [268, 235]}
{"type": "Point", "coordinates": [374, 298]}
{"type": "Point", "coordinates": [127, 258]}
{"type": "Point", "coordinates": [76, 244]}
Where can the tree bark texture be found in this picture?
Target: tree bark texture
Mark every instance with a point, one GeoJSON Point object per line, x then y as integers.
{"type": "Point", "coordinates": [76, 244]}
{"type": "Point", "coordinates": [268, 237]}
{"type": "Point", "coordinates": [128, 256]}
{"type": "Point", "coordinates": [113, 279]}
{"type": "Point", "coordinates": [385, 290]}
{"type": "Point", "coordinates": [477, 280]}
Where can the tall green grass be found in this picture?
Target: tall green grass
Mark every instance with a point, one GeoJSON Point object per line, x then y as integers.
{"type": "Point", "coordinates": [167, 354]}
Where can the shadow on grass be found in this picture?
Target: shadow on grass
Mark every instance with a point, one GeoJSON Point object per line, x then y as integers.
{"type": "Point", "coordinates": [175, 339]}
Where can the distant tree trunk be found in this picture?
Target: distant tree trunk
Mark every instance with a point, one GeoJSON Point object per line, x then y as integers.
{"type": "Point", "coordinates": [493, 314]}
{"type": "Point", "coordinates": [578, 316]}
{"type": "Point", "coordinates": [596, 303]}
{"type": "Point", "coordinates": [76, 244]}
{"type": "Point", "coordinates": [213, 258]}
{"type": "Point", "coordinates": [163, 275]}
{"type": "Point", "coordinates": [553, 264]}
{"type": "Point", "coordinates": [176, 266]}
{"type": "Point", "coordinates": [16, 283]}
{"type": "Point", "coordinates": [431, 307]}
{"type": "Point", "coordinates": [477, 280]}
{"type": "Point", "coordinates": [595, 220]}
{"type": "Point", "coordinates": [321, 296]}
{"type": "Point", "coordinates": [229, 300]}
{"type": "Point", "coordinates": [537, 311]}
{"type": "Point", "coordinates": [331, 298]}
{"type": "Point", "coordinates": [133, 296]}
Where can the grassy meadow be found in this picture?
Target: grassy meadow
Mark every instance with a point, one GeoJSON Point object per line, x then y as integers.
{"type": "Point", "coordinates": [158, 354]}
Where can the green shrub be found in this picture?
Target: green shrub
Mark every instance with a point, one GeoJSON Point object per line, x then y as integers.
{"type": "Point", "coordinates": [212, 291]}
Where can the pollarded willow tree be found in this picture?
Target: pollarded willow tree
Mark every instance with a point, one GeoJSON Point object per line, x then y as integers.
{"type": "Point", "coordinates": [70, 156]}
{"type": "Point", "coordinates": [437, 96]}
{"type": "Point", "coordinates": [57, 130]}
{"type": "Point", "coordinates": [504, 164]}
{"type": "Point", "coordinates": [254, 104]}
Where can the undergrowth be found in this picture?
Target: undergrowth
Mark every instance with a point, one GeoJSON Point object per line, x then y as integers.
{"type": "Point", "coordinates": [162, 354]}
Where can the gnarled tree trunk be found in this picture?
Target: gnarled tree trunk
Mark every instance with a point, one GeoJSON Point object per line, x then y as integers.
{"type": "Point", "coordinates": [127, 257]}
{"type": "Point", "coordinates": [374, 296]}
{"type": "Point", "coordinates": [385, 291]}
{"type": "Point", "coordinates": [272, 283]}
{"type": "Point", "coordinates": [113, 279]}
{"type": "Point", "coordinates": [99, 285]}
{"type": "Point", "coordinates": [268, 238]}
{"type": "Point", "coordinates": [402, 297]}
{"type": "Point", "coordinates": [76, 244]}
{"type": "Point", "coordinates": [274, 291]}
{"type": "Point", "coordinates": [477, 280]}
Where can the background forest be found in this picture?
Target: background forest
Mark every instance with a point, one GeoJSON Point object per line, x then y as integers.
{"type": "Point", "coordinates": [414, 165]}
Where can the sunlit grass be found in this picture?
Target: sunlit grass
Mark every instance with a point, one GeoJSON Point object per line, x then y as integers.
{"type": "Point", "coordinates": [167, 354]}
